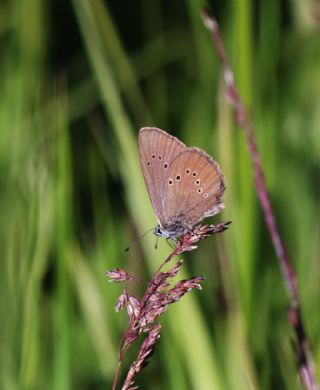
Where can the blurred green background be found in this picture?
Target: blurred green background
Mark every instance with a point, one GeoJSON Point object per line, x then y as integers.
{"type": "Point", "coordinates": [78, 80]}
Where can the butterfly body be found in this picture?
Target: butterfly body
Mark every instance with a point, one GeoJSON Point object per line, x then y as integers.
{"type": "Point", "coordinates": [185, 185]}
{"type": "Point", "coordinates": [172, 231]}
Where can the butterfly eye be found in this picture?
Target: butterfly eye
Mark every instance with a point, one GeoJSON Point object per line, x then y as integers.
{"type": "Point", "coordinates": [194, 174]}
{"type": "Point", "coordinates": [165, 165]}
{"type": "Point", "coordinates": [170, 181]}
{"type": "Point", "coordinates": [187, 171]}
{"type": "Point", "coordinates": [205, 195]}
{"type": "Point", "coordinates": [148, 163]}
{"type": "Point", "coordinates": [199, 190]}
{"type": "Point", "coordinates": [160, 158]}
{"type": "Point", "coordinates": [178, 177]}
{"type": "Point", "coordinates": [153, 156]}
{"type": "Point", "coordinates": [197, 182]}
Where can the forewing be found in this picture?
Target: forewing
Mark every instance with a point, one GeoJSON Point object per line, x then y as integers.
{"type": "Point", "coordinates": [157, 150]}
{"type": "Point", "coordinates": [193, 188]}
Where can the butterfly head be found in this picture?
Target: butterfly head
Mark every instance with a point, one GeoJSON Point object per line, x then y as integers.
{"type": "Point", "coordinates": [158, 231]}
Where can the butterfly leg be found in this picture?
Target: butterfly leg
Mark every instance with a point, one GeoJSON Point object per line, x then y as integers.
{"type": "Point", "coordinates": [192, 231]}
{"type": "Point", "coordinates": [168, 241]}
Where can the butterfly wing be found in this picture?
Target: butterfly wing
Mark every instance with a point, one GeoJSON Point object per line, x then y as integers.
{"type": "Point", "coordinates": [193, 189]}
{"type": "Point", "coordinates": [157, 150]}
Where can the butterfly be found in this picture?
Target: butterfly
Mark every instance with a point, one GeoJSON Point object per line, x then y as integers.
{"type": "Point", "coordinates": [185, 185]}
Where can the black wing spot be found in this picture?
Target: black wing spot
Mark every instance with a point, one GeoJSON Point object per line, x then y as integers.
{"type": "Point", "coordinates": [165, 165]}
{"type": "Point", "coordinates": [199, 190]}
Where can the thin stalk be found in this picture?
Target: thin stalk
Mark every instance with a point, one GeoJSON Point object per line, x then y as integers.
{"type": "Point", "coordinates": [302, 346]}
{"type": "Point", "coordinates": [116, 375]}
{"type": "Point", "coordinates": [124, 344]}
{"type": "Point", "coordinates": [158, 296]}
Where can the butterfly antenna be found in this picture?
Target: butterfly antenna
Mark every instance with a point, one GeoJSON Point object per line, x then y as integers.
{"type": "Point", "coordinates": [138, 240]}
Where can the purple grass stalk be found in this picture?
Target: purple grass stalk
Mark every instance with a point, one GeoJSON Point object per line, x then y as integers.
{"type": "Point", "coordinates": [302, 346]}
{"type": "Point", "coordinates": [159, 294]}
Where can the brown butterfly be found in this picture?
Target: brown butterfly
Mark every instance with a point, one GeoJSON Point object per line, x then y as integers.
{"type": "Point", "coordinates": [185, 185]}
